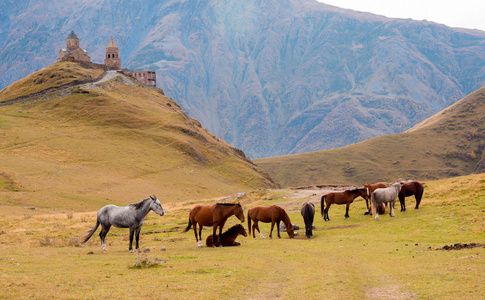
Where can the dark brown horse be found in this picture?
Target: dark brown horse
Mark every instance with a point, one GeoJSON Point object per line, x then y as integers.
{"type": "Point", "coordinates": [408, 189]}
{"type": "Point", "coordinates": [228, 238]}
{"type": "Point", "coordinates": [371, 188]}
{"type": "Point", "coordinates": [273, 214]}
{"type": "Point", "coordinates": [308, 212]}
{"type": "Point", "coordinates": [345, 197]}
{"type": "Point", "coordinates": [212, 215]}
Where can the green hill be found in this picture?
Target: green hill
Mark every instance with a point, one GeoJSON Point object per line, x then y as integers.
{"type": "Point", "coordinates": [449, 144]}
{"type": "Point", "coordinates": [81, 147]}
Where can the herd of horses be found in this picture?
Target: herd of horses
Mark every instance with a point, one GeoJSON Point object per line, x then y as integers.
{"type": "Point", "coordinates": [377, 197]}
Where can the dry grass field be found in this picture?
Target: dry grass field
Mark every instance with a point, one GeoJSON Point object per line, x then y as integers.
{"type": "Point", "coordinates": [354, 258]}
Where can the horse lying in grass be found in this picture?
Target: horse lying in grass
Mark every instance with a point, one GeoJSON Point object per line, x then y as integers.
{"type": "Point", "coordinates": [212, 215]}
{"type": "Point", "coordinates": [345, 197]}
{"type": "Point", "coordinates": [385, 195]}
{"type": "Point", "coordinates": [308, 213]}
{"type": "Point", "coordinates": [408, 189]}
{"type": "Point", "coordinates": [131, 216]}
{"type": "Point", "coordinates": [228, 238]}
{"type": "Point", "coordinates": [273, 214]}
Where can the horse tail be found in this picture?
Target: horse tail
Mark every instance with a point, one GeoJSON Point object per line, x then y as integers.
{"type": "Point", "coordinates": [188, 226]}
{"type": "Point", "coordinates": [249, 223]}
{"type": "Point", "coordinates": [90, 232]}
{"type": "Point", "coordinates": [322, 202]}
{"type": "Point", "coordinates": [373, 204]}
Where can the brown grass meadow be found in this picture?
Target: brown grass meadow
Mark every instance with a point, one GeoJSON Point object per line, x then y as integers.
{"type": "Point", "coordinates": [355, 258]}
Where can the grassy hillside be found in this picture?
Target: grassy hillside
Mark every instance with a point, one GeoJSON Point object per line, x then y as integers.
{"type": "Point", "coordinates": [50, 77]}
{"type": "Point", "coordinates": [354, 258]}
{"type": "Point", "coordinates": [448, 144]}
{"type": "Point", "coordinates": [80, 148]}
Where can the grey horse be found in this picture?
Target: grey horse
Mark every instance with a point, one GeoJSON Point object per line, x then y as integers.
{"type": "Point", "coordinates": [385, 195]}
{"type": "Point", "coordinates": [130, 216]}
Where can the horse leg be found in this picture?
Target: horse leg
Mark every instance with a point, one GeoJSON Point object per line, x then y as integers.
{"type": "Point", "coordinates": [199, 238]}
{"type": "Point", "coordinates": [214, 229]}
{"type": "Point", "coordinates": [403, 203]}
{"type": "Point", "coordinates": [391, 207]}
{"type": "Point", "coordinates": [367, 204]}
{"type": "Point", "coordinates": [102, 235]}
{"type": "Point", "coordinates": [254, 228]}
{"type": "Point", "coordinates": [278, 227]}
{"type": "Point", "coordinates": [260, 234]}
{"type": "Point", "coordinates": [137, 236]}
{"type": "Point", "coordinates": [132, 233]}
{"type": "Point", "coordinates": [418, 196]}
{"type": "Point", "coordinates": [347, 211]}
{"type": "Point", "coordinates": [325, 216]}
{"type": "Point", "coordinates": [271, 231]}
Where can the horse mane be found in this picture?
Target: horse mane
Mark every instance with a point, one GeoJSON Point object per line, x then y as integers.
{"type": "Point", "coordinates": [139, 205]}
{"type": "Point", "coordinates": [228, 204]}
{"type": "Point", "coordinates": [286, 219]}
{"type": "Point", "coordinates": [355, 190]}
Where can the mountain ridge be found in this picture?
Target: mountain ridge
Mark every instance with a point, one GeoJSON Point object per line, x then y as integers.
{"type": "Point", "coordinates": [448, 144]}
{"type": "Point", "coordinates": [270, 77]}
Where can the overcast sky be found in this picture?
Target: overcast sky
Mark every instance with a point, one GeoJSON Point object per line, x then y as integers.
{"type": "Point", "coordinates": [453, 13]}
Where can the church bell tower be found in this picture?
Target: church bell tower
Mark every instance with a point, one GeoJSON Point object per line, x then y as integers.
{"type": "Point", "coordinates": [112, 60]}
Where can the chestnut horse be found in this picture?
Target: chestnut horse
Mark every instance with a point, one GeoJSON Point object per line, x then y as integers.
{"type": "Point", "coordinates": [345, 197]}
{"type": "Point", "coordinates": [273, 214]}
{"type": "Point", "coordinates": [371, 188]}
{"type": "Point", "coordinates": [228, 238]}
{"type": "Point", "coordinates": [408, 189]}
{"type": "Point", "coordinates": [308, 212]}
{"type": "Point", "coordinates": [212, 215]}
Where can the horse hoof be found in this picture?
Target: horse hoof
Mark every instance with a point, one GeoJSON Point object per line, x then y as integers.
{"type": "Point", "coordinates": [366, 213]}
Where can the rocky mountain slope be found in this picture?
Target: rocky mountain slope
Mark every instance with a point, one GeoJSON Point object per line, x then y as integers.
{"type": "Point", "coordinates": [269, 77]}
{"type": "Point", "coordinates": [448, 144]}
{"type": "Point", "coordinates": [114, 141]}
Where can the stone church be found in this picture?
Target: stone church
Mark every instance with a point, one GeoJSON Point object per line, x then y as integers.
{"type": "Point", "coordinates": [112, 61]}
{"type": "Point", "coordinates": [72, 51]}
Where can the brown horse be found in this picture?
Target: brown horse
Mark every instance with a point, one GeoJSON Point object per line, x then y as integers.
{"type": "Point", "coordinates": [408, 189]}
{"type": "Point", "coordinates": [212, 215]}
{"type": "Point", "coordinates": [273, 214]}
{"type": "Point", "coordinates": [371, 188]}
{"type": "Point", "coordinates": [345, 197]}
{"type": "Point", "coordinates": [228, 238]}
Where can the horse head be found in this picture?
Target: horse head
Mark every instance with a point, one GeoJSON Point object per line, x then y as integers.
{"type": "Point", "coordinates": [239, 212]}
{"type": "Point", "coordinates": [156, 206]}
{"type": "Point", "coordinates": [241, 230]}
{"type": "Point", "coordinates": [290, 230]}
{"type": "Point", "coordinates": [397, 185]}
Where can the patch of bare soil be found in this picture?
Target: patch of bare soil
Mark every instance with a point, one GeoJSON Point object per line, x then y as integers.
{"type": "Point", "coordinates": [389, 292]}
{"type": "Point", "coordinates": [459, 246]}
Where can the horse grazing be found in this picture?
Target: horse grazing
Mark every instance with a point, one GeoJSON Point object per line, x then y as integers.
{"type": "Point", "coordinates": [308, 212]}
{"type": "Point", "coordinates": [228, 238]}
{"type": "Point", "coordinates": [131, 216]}
{"type": "Point", "coordinates": [273, 214]}
{"type": "Point", "coordinates": [384, 195]}
{"type": "Point", "coordinates": [345, 197]}
{"type": "Point", "coordinates": [371, 188]}
{"type": "Point", "coordinates": [212, 215]}
{"type": "Point", "coordinates": [408, 189]}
